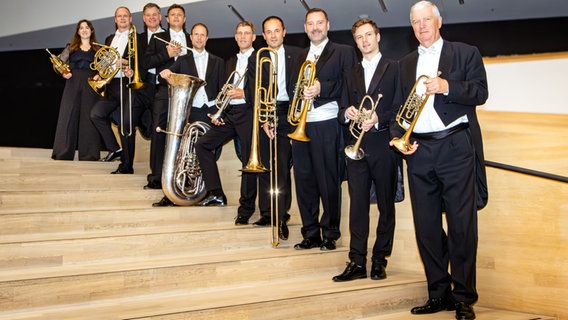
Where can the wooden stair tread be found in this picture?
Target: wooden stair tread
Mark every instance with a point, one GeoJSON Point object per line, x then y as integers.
{"type": "Point", "coordinates": [190, 300]}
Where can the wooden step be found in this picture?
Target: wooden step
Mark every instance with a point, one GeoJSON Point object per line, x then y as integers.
{"type": "Point", "coordinates": [481, 313]}
{"type": "Point", "coordinates": [311, 296]}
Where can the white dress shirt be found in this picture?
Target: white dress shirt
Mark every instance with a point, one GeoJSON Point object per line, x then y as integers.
{"type": "Point", "coordinates": [282, 93]}
{"type": "Point", "coordinates": [242, 64]}
{"type": "Point", "coordinates": [150, 34]}
{"type": "Point", "coordinates": [330, 109]}
{"type": "Point", "coordinates": [180, 38]}
{"type": "Point", "coordinates": [428, 61]}
{"type": "Point", "coordinates": [119, 42]}
{"type": "Point", "coordinates": [201, 60]}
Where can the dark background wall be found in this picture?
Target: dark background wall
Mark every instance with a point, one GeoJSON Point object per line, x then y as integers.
{"type": "Point", "coordinates": [30, 90]}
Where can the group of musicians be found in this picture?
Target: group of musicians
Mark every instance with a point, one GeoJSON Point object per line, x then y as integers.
{"type": "Point", "coordinates": [445, 160]}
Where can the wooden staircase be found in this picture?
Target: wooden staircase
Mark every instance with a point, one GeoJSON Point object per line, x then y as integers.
{"type": "Point", "coordinates": [79, 243]}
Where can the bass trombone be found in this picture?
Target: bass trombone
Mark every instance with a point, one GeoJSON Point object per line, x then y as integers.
{"type": "Point", "coordinates": [298, 112]}
{"type": "Point", "coordinates": [356, 127]}
{"type": "Point", "coordinates": [265, 112]}
{"type": "Point", "coordinates": [408, 115]}
{"type": "Point", "coordinates": [222, 100]}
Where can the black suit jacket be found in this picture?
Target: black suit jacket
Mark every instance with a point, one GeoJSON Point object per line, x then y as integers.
{"type": "Point", "coordinates": [333, 62]}
{"type": "Point", "coordinates": [462, 66]}
{"type": "Point", "coordinates": [214, 74]}
{"type": "Point", "coordinates": [157, 53]}
{"type": "Point", "coordinates": [385, 81]}
{"type": "Point", "coordinates": [292, 64]}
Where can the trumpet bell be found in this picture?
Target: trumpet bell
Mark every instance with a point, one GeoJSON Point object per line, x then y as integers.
{"type": "Point", "coordinates": [354, 153]}
{"type": "Point", "coordinates": [299, 134]}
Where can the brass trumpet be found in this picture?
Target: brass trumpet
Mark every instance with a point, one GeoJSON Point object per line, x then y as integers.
{"type": "Point", "coordinates": [298, 112]}
{"type": "Point", "coordinates": [222, 100]}
{"type": "Point", "coordinates": [172, 43]}
{"type": "Point", "coordinates": [408, 115]}
{"type": "Point", "coordinates": [58, 65]}
{"type": "Point", "coordinates": [356, 127]}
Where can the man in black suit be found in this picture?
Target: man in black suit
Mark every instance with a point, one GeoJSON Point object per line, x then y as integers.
{"type": "Point", "coordinates": [119, 100]}
{"type": "Point", "coordinates": [161, 56]}
{"type": "Point", "coordinates": [273, 31]}
{"type": "Point", "coordinates": [201, 64]}
{"type": "Point", "coordinates": [236, 121]}
{"type": "Point", "coordinates": [152, 24]}
{"type": "Point", "coordinates": [373, 76]}
{"type": "Point", "coordinates": [445, 161]}
{"type": "Point", "coordinates": [317, 162]}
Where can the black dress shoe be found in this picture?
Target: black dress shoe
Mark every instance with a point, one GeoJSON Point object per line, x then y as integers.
{"type": "Point", "coordinates": [378, 271]}
{"type": "Point", "coordinates": [433, 306]}
{"type": "Point", "coordinates": [464, 311]}
{"type": "Point", "coordinates": [327, 244]}
{"type": "Point", "coordinates": [153, 185]}
{"type": "Point", "coordinates": [112, 155]}
{"type": "Point", "coordinates": [213, 200]}
{"type": "Point", "coordinates": [241, 220]}
{"type": "Point", "coordinates": [308, 244]}
{"type": "Point", "coordinates": [283, 231]}
{"type": "Point", "coordinates": [120, 170]}
{"type": "Point", "coordinates": [165, 202]}
{"type": "Point", "coordinates": [353, 271]}
{"type": "Point", "coordinates": [262, 222]}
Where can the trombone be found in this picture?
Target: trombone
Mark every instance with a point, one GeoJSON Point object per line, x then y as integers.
{"type": "Point", "coordinates": [298, 112]}
{"type": "Point", "coordinates": [409, 113]}
{"type": "Point", "coordinates": [356, 127]}
{"type": "Point", "coordinates": [265, 112]}
{"type": "Point", "coordinates": [222, 100]}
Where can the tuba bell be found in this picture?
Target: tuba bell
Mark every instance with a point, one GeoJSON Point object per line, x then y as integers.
{"type": "Point", "coordinates": [408, 115]}
{"type": "Point", "coordinates": [181, 175]}
{"type": "Point", "coordinates": [298, 112]}
{"type": "Point", "coordinates": [356, 129]}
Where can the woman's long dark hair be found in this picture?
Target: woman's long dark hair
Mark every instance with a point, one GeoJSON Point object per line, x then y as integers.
{"type": "Point", "coordinates": [76, 41]}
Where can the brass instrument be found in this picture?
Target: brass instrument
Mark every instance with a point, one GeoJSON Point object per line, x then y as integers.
{"type": "Point", "coordinates": [222, 100]}
{"type": "Point", "coordinates": [182, 181]}
{"type": "Point", "coordinates": [105, 65]}
{"type": "Point", "coordinates": [264, 96]}
{"type": "Point", "coordinates": [172, 43]}
{"type": "Point", "coordinates": [59, 65]}
{"type": "Point", "coordinates": [135, 83]}
{"type": "Point", "coordinates": [298, 112]}
{"type": "Point", "coordinates": [265, 112]}
{"type": "Point", "coordinates": [356, 127]}
{"type": "Point", "coordinates": [408, 115]}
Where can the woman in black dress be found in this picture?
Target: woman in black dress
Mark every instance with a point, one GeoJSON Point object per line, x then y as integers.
{"type": "Point", "coordinates": [74, 127]}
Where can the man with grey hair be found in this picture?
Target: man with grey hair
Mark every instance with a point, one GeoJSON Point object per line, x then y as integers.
{"type": "Point", "coordinates": [445, 161]}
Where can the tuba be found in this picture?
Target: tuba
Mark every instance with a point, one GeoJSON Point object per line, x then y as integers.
{"type": "Point", "coordinates": [408, 115]}
{"type": "Point", "coordinates": [353, 151]}
{"type": "Point", "coordinates": [222, 100]}
{"type": "Point", "coordinates": [58, 65]}
{"type": "Point", "coordinates": [298, 112]}
{"type": "Point", "coordinates": [105, 65]}
{"type": "Point", "coordinates": [181, 175]}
